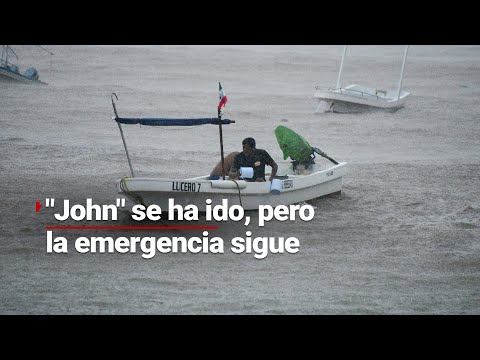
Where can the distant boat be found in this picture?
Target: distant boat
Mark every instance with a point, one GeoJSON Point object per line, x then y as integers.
{"type": "Point", "coordinates": [357, 98]}
{"type": "Point", "coordinates": [10, 71]}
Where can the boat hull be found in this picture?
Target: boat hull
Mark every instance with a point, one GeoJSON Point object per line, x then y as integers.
{"type": "Point", "coordinates": [355, 98]}
{"type": "Point", "coordinates": [7, 74]}
{"type": "Point", "coordinates": [250, 195]}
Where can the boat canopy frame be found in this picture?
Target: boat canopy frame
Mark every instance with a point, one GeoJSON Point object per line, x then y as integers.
{"type": "Point", "coordinates": [168, 122]}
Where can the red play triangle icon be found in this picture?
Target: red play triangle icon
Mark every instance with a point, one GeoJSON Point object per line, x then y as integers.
{"type": "Point", "coordinates": [37, 206]}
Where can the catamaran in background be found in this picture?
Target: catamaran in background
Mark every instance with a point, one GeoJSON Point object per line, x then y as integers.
{"type": "Point", "coordinates": [356, 98]}
{"type": "Point", "coordinates": [10, 71]}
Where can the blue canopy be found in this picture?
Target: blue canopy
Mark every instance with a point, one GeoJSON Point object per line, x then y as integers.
{"type": "Point", "coordinates": [172, 122]}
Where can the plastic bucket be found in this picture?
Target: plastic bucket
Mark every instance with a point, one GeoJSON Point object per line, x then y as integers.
{"type": "Point", "coordinates": [246, 172]}
{"type": "Point", "coordinates": [276, 187]}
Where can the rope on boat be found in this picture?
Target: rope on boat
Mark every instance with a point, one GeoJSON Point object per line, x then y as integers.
{"type": "Point", "coordinates": [123, 186]}
{"type": "Point", "coordinates": [239, 195]}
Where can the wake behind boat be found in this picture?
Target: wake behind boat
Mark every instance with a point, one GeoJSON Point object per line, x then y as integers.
{"type": "Point", "coordinates": [304, 180]}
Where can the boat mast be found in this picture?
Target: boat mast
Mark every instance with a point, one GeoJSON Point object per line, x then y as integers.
{"type": "Point", "coordinates": [401, 72]}
{"type": "Point", "coordinates": [341, 67]}
{"type": "Point", "coordinates": [5, 54]}
{"type": "Point", "coordinates": [41, 47]}
{"type": "Point", "coordinates": [7, 48]}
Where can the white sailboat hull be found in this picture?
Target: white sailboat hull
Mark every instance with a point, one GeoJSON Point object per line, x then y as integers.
{"type": "Point", "coordinates": [195, 191]}
{"type": "Point", "coordinates": [358, 98]}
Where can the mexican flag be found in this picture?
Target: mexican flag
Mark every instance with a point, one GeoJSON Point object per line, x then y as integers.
{"type": "Point", "coordinates": [222, 97]}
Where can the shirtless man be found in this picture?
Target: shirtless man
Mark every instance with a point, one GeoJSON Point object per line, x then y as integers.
{"type": "Point", "coordinates": [227, 165]}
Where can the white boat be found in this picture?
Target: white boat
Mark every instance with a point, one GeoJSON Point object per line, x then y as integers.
{"type": "Point", "coordinates": [302, 182]}
{"type": "Point", "coordinates": [10, 71]}
{"type": "Point", "coordinates": [292, 188]}
{"type": "Point", "coordinates": [357, 98]}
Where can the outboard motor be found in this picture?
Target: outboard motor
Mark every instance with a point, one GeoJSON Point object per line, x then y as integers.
{"type": "Point", "coordinates": [297, 148]}
{"type": "Point", "coordinates": [31, 73]}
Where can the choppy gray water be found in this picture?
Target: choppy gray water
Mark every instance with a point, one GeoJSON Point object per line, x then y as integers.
{"type": "Point", "coordinates": [402, 238]}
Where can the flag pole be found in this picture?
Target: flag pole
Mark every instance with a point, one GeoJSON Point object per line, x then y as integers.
{"type": "Point", "coordinates": [220, 128]}
{"type": "Point", "coordinates": [221, 141]}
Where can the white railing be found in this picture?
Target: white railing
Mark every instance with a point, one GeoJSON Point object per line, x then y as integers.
{"type": "Point", "coordinates": [353, 92]}
{"type": "Point", "coordinates": [7, 64]}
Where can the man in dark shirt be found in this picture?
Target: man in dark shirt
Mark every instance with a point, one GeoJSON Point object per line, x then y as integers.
{"type": "Point", "coordinates": [254, 158]}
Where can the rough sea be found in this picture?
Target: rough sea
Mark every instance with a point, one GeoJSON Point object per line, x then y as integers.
{"type": "Point", "coordinates": [403, 237]}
